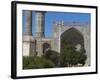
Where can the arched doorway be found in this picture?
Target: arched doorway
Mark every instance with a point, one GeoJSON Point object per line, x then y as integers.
{"type": "Point", "coordinates": [72, 36]}
{"type": "Point", "coordinates": [46, 47]}
{"type": "Point", "coordinates": [72, 48]}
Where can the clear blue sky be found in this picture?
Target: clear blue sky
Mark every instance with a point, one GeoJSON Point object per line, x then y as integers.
{"type": "Point", "coordinates": [58, 16]}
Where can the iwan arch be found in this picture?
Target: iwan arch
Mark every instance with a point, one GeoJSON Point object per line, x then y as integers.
{"type": "Point", "coordinates": [38, 44]}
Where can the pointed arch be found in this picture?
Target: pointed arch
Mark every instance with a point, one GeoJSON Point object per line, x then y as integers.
{"type": "Point", "coordinates": [72, 36]}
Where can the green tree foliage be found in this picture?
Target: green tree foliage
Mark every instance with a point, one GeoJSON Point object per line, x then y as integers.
{"type": "Point", "coordinates": [71, 57]}
{"type": "Point", "coordinates": [53, 56]}
{"type": "Point", "coordinates": [82, 56]}
{"type": "Point", "coordinates": [36, 62]}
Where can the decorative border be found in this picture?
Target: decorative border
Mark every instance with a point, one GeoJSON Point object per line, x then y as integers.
{"type": "Point", "coordinates": [14, 38]}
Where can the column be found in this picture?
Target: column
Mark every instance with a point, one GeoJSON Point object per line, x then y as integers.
{"type": "Point", "coordinates": [28, 23]}
{"type": "Point", "coordinates": [39, 23]}
{"type": "Point", "coordinates": [29, 43]}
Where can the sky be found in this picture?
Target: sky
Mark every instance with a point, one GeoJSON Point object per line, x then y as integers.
{"type": "Point", "coordinates": [57, 16]}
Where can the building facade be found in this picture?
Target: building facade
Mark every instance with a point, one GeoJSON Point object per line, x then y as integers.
{"type": "Point", "coordinates": [38, 44]}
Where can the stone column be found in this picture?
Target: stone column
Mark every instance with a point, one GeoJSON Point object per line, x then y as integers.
{"type": "Point", "coordinates": [29, 43]}
{"type": "Point", "coordinates": [39, 23]}
{"type": "Point", "coordinates": [28, 23]}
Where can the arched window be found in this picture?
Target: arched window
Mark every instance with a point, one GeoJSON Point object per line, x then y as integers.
{"type": "Point", "coordinates": [46, 47]}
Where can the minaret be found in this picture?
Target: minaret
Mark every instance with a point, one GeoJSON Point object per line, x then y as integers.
{"type": "Point", "coordinates": [28, 23]}
{"type": "Point", "coordinates": [39, 23]}
{"type": "Point", "coordinates": [29, 47]}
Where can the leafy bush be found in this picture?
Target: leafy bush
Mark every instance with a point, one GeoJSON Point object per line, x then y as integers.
{"type": "Point", "coordinates": [71, 57]}
{"type": "Point", "coordinates": [34, 62]}
{"type": "Point", "coordinates": [53, 56]}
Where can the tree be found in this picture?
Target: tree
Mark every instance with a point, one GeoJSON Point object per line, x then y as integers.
{"type": "Point", "coordinates": [67, 55]}
{"type": "Point", "coordinates": [82, 57]}
{"type": "Point", "coordinates": [35, 62]}
{"type": "Point", "coordinates": [53, 56]}
{"type": "Point", "coordinates": [71, 57]}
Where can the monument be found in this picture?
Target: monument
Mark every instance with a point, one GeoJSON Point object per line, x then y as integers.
{"type": "Point", "coordinates": [38, 44]}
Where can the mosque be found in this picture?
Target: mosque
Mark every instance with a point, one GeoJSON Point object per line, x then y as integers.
{"type": "Point", "coordinates": [39, 44]}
